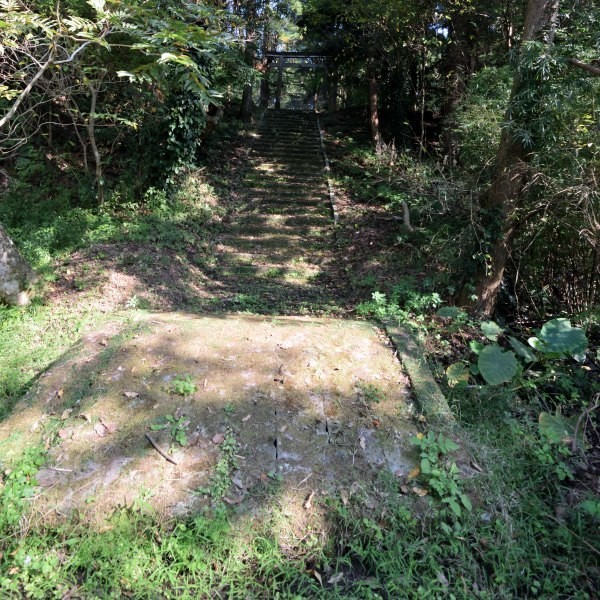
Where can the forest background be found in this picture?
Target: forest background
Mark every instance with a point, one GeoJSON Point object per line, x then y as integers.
{"type": "Point", "coordinates": [474, 133]}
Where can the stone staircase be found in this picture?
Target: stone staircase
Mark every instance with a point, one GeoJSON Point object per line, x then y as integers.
{"type": "Point", "coordinates": [273, 250]}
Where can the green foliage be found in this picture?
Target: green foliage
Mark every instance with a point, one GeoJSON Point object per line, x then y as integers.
{"type": "Point", "coordinates": [220, 481]}
{"type": "Point", "coordinates": [558, 429]}
{"type": "Point", "coordinates": [183, 386]}
{"type": "Point", "coordinates": [176, 427]}
{"type": "Point", "coordinates": [558, 338]}
{"type": "Point", "coordinates": [17, 486]}
{"type": "Point", "coordinates": [442, 478]}
{"type": "Point", "coordinates": [495, 365]}
{"type": "Point", "coordinates": [405, 304]}
{"type": "Point", "coordinates": [480, 118]}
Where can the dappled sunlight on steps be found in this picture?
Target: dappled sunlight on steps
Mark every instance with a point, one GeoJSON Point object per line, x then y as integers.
{"type": "Point", "coordinates": [273, 251]}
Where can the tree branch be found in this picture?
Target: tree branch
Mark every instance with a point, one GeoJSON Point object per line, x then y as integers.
{"type": "Point", "coordinates": [585, 66]}
{"type": "Point", "coordinates": [11, 113]}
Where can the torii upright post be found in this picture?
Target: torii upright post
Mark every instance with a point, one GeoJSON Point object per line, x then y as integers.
{"type": "Point", "coordinates": [279, 81]}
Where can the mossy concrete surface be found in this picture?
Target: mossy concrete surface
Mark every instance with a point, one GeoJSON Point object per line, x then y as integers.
{"type": "Point", "coordinates": [317, 406]}
{"type": "Point", "coordinates": [430, 400]}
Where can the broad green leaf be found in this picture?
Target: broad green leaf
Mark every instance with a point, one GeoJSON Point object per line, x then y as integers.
{"type": "Point", "coordinates": [495, 365]}
{"type": "Point", "coordinates": [476, 346]}
{"type": "Point", "coordinates": [592, 507]}
{"type": "Point", "coordinates": [559, 429]}
{"type": "Point", "coordinates": [522, 350]}
{"type": "Point", "coordinates": [491, 330]}
{"type": "Point", "coordinates": [558, 336]}
{"type": "Point", "coordinates": [466, 502]}
{"type": "Point", "coordinates": [457, 373]}
{"type": "Point", "coordinates": [454, 505]}
{"type": "Point", "coordinates": [449, 312]}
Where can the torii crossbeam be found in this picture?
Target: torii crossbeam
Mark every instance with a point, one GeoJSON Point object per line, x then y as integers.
{"type": "Point", "coordinates": [295, 60]}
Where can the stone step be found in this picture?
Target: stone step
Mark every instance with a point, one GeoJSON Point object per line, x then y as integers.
{"type": "Point", "coordinates": [284, 271]}
{"type": "Point", "coordinates": [289, 209]}
{"type": "Point", "coordinates": [252, 254]}
{"type": "Point", "coordinates": [275, 168]}
{"type": "Point", "coordinates": [261, 230]}
{"type": "Point", "coordinates": [282, 154]}
{"type": "Point", "coordinates": [267, 246]}
{"type": "Point", "coordinates": [260, 196]}
{"type": "Point", "coordinates": [287, 137]}
{"type": "Point", "coordinates": [284, 220]}
{"type": "Point", "coordinates": [276, 143]}
{"type": "Point", "coordinates": [283, 178]}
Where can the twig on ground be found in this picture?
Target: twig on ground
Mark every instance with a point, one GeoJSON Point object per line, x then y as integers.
{"type": "Point", "coordinates": [160, 450]}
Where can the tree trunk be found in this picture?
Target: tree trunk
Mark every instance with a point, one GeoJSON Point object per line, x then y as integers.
{"type": "Point", "coordinates": [499, 205]}
{"type": "Point", "coordinates": [247, 108]}
{"type": "Point", "coordinates": [373, 110]}
{"type": "Point", "coordinates": [16, 276]}
{"type": "Point", "coordinates": [333, 93]}
{"type": "Point", "coordinates": [91, 131]}
{"type": "Point", "coordinates": [264, 80]}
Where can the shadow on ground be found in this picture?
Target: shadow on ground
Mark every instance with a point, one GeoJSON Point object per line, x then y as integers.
{"type": "Point", "coordinates": [318, 406]}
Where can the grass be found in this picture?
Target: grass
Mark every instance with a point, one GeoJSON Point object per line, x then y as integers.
{"type": "Point", "coordinates": [31, 339]}
{"type": "Point", "coordinates": [509, 546]}
{"type": "Point", "coordinates": [524, 537]}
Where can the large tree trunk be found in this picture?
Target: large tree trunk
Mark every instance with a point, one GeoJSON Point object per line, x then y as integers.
{"type": "Point", "coordinates": [500, 203]}
{"type": "Point", "coordinates": [16, 276]}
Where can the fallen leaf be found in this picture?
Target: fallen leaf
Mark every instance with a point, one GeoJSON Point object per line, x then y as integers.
{"type": "Point", "coordinates": [308, 502]}
{"type": "Point", "coordinates": [476, 466]}
{"type": "Point", "coordinates": [110, 427]}
{"type": "Point", "coordinates": [85, 417]}
{"type": "Point", "coordinates": [103, 342]}
{"type": "Point", "coordinates": [131, 394]}
{"type": "Point", "coordinates": [219, 438]}
{"type": "Point", "coordinates": [60, 393]}
{"type": "Point", "coordinates": [404, 489]}
{"type": "Point", "coordinates": [264, 477]}
{"type": "Point", "coordinates": [335, 578]}
{"type": "Point", "coordinates": [66, 414]}
{"type": "Point", "coordinates": [316, 575]}
{"type": "Point", "coordinates": [414, 473]}
{"type": "Point", "coordinates": [283, 428]}
{"type": "Point", "coordinates": [34, 426]}
{"type": "Point", "coordinates": [420, 491]}
{"type": "Point", "coordinates": [370, 503]}
{"type": "Point", "coordinates": [100, 429]}
{"type": "Point", "coordinates": [376, 422]}
{"type": "Point", "coordinates": [362, 443]}
{"type": "Point", "coordinates": [246, 418]}
{"type": "Point", "coordinates": [233, 499]}
{"type": "Point", "coordinates": [344, 497]}
{"type": "Point", "coordinates": [443, 579]}
{"type": "Point", "coordinates": [64, 434]}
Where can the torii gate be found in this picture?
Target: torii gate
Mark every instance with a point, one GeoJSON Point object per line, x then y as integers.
{"type": "Point", "coordinates": [297, 60]}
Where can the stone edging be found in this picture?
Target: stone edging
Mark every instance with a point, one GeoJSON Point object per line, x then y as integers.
{"type": "Point", "coordinates": [334, 209]}
{"type": "Point", "coordinates": [431, 401]}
